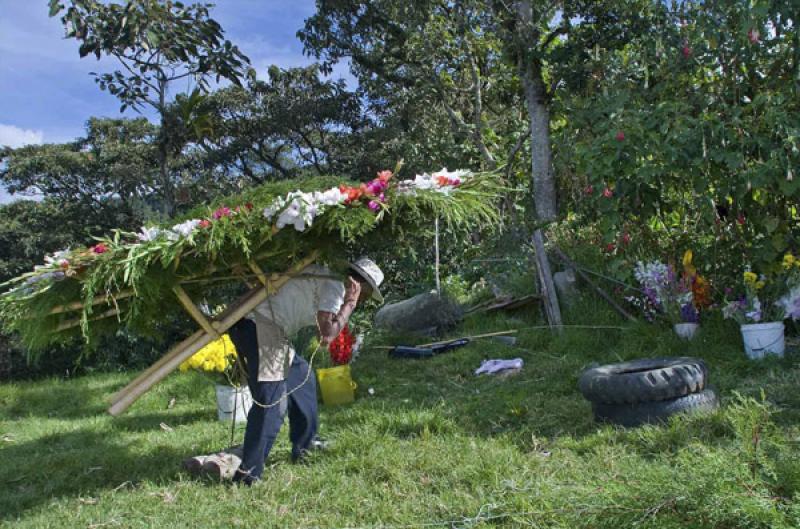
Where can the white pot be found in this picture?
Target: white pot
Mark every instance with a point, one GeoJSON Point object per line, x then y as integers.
{"type": "Point", "coordinates": [686, 330]}
{"type": "Point", "coordinates": [761, 339]}
{"type": "Point", "coordinates": [232, 400]}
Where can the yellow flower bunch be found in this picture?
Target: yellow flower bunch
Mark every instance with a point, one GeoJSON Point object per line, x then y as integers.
{"type": "Point", "coordinates": [750, 278]}
{"type": "Point", "coordinates": [216, 357]}
{"type": "Point", "coordinates": [790, 261]}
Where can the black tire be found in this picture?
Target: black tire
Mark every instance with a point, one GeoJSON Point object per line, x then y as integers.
{"type": "Point", "coordinates": [645, 380]}
{"type": "Point", "coordinates": [651, 412]}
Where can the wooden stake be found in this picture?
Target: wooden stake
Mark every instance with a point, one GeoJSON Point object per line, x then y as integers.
{"type": "Point", "coordinates": [567, 261]}
{"type": "Point", "coordinates": [170, 361]}
{"type": "Point", "coordinates": [548, 293]}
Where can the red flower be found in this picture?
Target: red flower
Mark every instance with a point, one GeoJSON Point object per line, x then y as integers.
{"type": "Point", "coordinates": [588, 189]}
{"type": "Point", "coordinates": [754, 35]}
{"type": "Point", "coordinates": [99, 248]}
{"type": "Point", "coordinates": [740, 219]}
{"type": "Point", "coordinates": [384, 176]}
{"type": "Point", "coordinates": [626, 238]}
{"type": "Point", "coordinates": [687, 51]}
{"type": "Point", "coordinates": [249, 206]}
{"type": "Point", "coordinates": [610, 247]}
{"type": "Point", "coordinates": [608, 193]}
{"type": "Point", "coordinates": [205, 223]}
{"type": "Point", "coordinates": [224, 211]}
{"type": "Point", "coordinates": [620, 135]}
{"type": "Point", "coordinates": [341, 348]}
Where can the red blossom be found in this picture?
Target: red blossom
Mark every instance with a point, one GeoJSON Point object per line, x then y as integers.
{"type": "Point", "coordinates": [249, 206]}
{"type": "Point", "coordinates": [224, 211]}
{"type": "Point", "coordinates": [754, 35]}
{"type": "Point", "coordinates": [740, 219]}
{"type": "Point", "coordinates": [626, 238]}
{"type": "Point", "coordinates": [341, 348]}
{"type": "Point", "coordinates": [620, 135]}
{"type": "Point", "coordinates": [610, 247]}
{"type": "Point", "coordinates": [608, 193]}
{"type": "Point", "coordinates": [99, 248]}
{"type": "Point", "coordinates": [205, 223]}
{"type": "Point", "coordinates": [687, 51]}
{"type": "Point", "coordinates": [588, 189]}
{"type": "Point", "coordinates": [384, 176]}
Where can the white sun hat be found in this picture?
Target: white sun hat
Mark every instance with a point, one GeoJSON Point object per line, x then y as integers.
{"type": "Point", "coordinates": [372, 274]}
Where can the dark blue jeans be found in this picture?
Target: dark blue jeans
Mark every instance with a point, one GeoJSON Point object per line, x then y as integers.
{"type": "Point", "coordinates": [263, 424]}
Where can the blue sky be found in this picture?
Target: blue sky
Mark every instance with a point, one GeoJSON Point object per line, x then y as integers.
{"type": "Point", "coordinates": [47, 94]}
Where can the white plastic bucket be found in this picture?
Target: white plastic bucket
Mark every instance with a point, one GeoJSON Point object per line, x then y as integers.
{"type": "Point", "coordinates": [686, 330]}
{"type": "Point", "coordinates": [761, 339]}
{"type": "Point", "coordinates": [230, 399]}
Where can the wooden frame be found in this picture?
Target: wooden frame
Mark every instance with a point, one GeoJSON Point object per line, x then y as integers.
{"type": "Point", "coordinates": [210, 330]}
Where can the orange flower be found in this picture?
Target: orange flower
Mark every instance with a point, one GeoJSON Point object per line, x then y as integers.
{"type": "Point", "coordinates": [442, 180]}
{"type": "Point", "coordinates": [701, 292]}
{"type": "Point", "coordinates": [384, 176]}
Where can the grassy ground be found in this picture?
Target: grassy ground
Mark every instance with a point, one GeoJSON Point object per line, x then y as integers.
{"type": "Point", "coordinates": [433, 444]}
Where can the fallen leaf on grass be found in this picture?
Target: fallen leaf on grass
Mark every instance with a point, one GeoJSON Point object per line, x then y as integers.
{"type": "Point", "coordinates": [171, 403]}
{"type": "Point", "coordinates": [166, 495]}
{"type": "Point", "coordinates": [165, 427]}
{"type": "Point", "coordinates": [88, 501]}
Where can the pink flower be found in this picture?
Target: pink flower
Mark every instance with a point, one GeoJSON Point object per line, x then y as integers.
{"type": "Point", "coordinates": [626, 238]}
{"type": "Point", "coordinates": [99, 248]}
{"type": "Point", "coordinates": [384, 176]}
{"type": "Point", "coordinates": [608, 193]}
{"type": "Point", "coordinates": [205, 223]}
{"type": "Point", "coordinates": [620, 135]}
{"type": "Point", "coordinates": [224, 211]}
{"type": "Point", "coordinates": [373, 205]}
{"type": "Point", "coordinates": [588, 189]}
{"type": "Point", "coordinates": [382, 197]}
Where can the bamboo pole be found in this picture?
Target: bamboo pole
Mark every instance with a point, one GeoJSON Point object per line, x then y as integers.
{"type": "Point", "coordinates": [170, 361]}
{"type": "Point", "coordinates": [194, 312]}
{"type": "Point", "coordinates": [63, 326]}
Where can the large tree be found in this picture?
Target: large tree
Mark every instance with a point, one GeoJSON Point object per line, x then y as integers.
{"type": "Point", "coordinates": [156, 43]}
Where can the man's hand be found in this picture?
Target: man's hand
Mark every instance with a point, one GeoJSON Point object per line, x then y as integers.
{"type": "Point", "coordinates": [352, 291]}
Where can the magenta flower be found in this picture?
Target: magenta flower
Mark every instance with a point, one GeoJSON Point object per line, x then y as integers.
{"type": "Point", "coordinates": [224, 211]}
{"type": "Point", "coordinates": [373, 205]}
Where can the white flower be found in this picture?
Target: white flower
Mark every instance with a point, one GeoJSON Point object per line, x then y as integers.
{"type": "Point", "coordinates": [186, 228]}
{"type": "Point", "coordinates": [331, 197]}
{"type": "Point", "coordinates": [59, 259]}
{"type": "Point", "coordinates": [149, 234]}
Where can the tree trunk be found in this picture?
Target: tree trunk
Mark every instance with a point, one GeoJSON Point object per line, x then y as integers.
{"type": "Point", "coordinates": [543, 182]}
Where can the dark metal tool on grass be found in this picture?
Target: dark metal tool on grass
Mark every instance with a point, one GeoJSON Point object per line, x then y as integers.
{"type": "Point", "coordinates": [430, 349]}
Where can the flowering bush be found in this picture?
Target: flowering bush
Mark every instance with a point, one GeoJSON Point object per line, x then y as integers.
{"type": "Point", "coordinates": [766, 297]}
{"type": "Point", "coordinates": [217, 360]}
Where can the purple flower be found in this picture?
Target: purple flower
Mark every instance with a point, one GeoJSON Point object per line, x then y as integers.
{"type": "Point", "coordinates": [374, 206]}
{"type": "Point", "coordinates": [689, 314]}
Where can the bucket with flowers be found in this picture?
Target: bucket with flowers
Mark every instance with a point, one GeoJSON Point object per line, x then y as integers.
{"type": "Point", "coordinates": [678, 297]}
{"type": "Point", "coordinates": [336, 381]}
{"type": "Point", "coordinates": [218, 360]}
{"type": "Point", "coordinates": [762, 304]}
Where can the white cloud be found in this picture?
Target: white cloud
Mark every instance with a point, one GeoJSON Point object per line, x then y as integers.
{"type": "Point", "coordinates": [11, 136]}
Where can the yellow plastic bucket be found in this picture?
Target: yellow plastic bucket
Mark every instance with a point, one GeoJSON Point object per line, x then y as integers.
{"type": "Point", "coordinates": [336, 385]}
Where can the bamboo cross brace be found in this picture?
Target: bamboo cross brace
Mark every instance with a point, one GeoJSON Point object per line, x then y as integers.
{"type": "Point", "coordinates": [185, 349]}
{"type": "Point", "coordinates": [63, 326]}
{"type": "Point", "coordinates": [194, 312]}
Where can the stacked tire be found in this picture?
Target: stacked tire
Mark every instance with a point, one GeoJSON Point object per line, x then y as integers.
{"type": "Point", "coordinates": [647, 390]}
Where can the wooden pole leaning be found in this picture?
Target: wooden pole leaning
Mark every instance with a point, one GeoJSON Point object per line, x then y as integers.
{"type": "Point", "coordinates": [185, 349]}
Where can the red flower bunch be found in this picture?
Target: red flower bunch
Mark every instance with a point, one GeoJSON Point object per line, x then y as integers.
{"type": "Point", "coordinates": [99, 248]}
{"type": "Point", "coordinates": [341, 348]}
{"type": "Point", "coordinates": [372, 191]}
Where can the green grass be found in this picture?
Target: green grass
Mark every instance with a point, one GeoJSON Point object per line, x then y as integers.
{"type": "Point", "coordinates": [434, 443]}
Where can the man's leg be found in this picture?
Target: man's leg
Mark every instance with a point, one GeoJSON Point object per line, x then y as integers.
{"type": "Point", "coordinates": [263, 425]}
{"type": "Point", "coordinates": [303, 418]}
